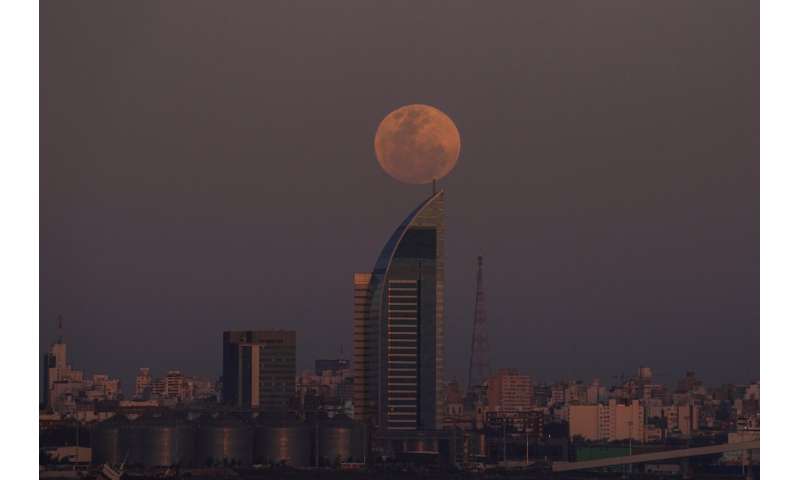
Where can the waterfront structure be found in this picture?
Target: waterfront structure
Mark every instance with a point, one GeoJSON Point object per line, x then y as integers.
{"type": "Point", "coordinates": [398, 341]}
{"type": "Point", "coordinates": [259, 368]}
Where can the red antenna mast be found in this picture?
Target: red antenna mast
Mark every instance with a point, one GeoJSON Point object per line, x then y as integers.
{"type": "Point", "coordinates": [479, 357]}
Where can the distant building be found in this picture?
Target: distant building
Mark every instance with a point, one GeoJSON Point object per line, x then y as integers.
{"type": "Point", "coordinates": [104, 387]}
{"type": "Point", "coordinates": [596, 393]}
{"type": "Point", "coordinates": [330, 393]}
{"type": "Point", "coordinates": [576, 393]}
{"type": "Point", "coordinates": [557, 394]}
{"type": "Point", "coordinates": [688, 383]}
{"type": "Point", "coordinates": [335, 366]}
{"type": "Point", "coordinates": [509, 390]}
{"type": "Point", "coordinates": [143, 383]}
{"type": "Point", "coordinates": [609, 422]}
{"type": "Point", "coordinates": [67, 390]}
{"type": "Point", "coordinates": [541, 394]}
{"type": "Point", "coordinates": [530, 422]}
{"type": "Point", "coordinates": [173, 388]}
{"type": "Point", "coordinates": [678, 419]}
{"type": "Point", "coordinates": [158, 388]}
{"type": "Point", "coordinates": [644, 375]}
{"type": "Point", "coordinates": [259, 368]}
{"type": "Point", "coordinates": [454, 399]}
{"type": "Point", "coordinates": [398, 340]}
{"type": "Point", "coordinates": [753, 391]}
{"type": "Point", "coordinates": [199, 388]}
{"type": "Point", "coordinates": [743, 457]}
{"type": "Point", "coordinates": [62, 384]}
{"type": "Point", "coordinates": [174, 385]}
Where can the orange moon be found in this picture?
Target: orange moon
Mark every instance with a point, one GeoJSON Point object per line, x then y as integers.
{"type": "Point", "coordinates": [417, 143]}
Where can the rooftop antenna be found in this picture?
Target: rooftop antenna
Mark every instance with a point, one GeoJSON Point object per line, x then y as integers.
{"type": "Point", "coordinates": [60, 328]}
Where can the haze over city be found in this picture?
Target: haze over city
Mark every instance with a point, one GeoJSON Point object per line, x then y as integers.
{"type": "Point", "coordinates": [218, 174]}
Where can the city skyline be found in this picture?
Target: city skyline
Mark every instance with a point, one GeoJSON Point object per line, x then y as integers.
{"type": "Point", "coordinates": [233, 389]}
{"type": "Point", "coordinates": [617, 211]}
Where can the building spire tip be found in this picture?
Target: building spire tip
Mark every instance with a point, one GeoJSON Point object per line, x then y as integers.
{"type": "Point", "coordinates": [60, 328]}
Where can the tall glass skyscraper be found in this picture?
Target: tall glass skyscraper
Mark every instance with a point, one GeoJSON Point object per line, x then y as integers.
{"type": "Point", "coordinates": [398, 341]}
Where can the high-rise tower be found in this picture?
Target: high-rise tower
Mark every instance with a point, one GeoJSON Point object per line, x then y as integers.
{"type": "Point", "coordinates": [398, 340]}
{"type": "Point", "coordinates": [259, 368]}
{"type": "Point", "coordinates": [479, 355]}
{"type": "Point", "coordinates": [60, 381]}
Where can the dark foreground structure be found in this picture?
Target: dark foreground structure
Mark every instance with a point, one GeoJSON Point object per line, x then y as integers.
{"type": "Point", "coordinates": [228, 439]}
{"type": "Point", "coordinates": [244, 439]}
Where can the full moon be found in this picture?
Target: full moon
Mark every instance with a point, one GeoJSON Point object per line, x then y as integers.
{"type": "Point", "coordinates": [417, 144]}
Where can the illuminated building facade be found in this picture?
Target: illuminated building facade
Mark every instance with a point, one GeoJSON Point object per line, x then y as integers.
{"type": "Point", "coordinates": [398, 361]}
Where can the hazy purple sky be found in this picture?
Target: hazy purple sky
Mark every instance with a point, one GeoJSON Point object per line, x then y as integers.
{"type": "Point", "coordinates": [209, 166]}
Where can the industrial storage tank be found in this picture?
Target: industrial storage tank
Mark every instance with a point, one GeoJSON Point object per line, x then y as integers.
{"type": "Point", "coordinates": [156, 440]}
{"type": "Point", "coordinates": [340, 439]}
{"type": "Point", "coordinates": [107, 444]}
{"type": "Point", "coordinates": [282, 440]}
{"type": "Point", "coordinates": [224, 440]}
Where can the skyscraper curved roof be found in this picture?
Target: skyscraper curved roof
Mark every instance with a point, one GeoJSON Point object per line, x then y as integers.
{"type": "Point", "coordinates": [384, 259]}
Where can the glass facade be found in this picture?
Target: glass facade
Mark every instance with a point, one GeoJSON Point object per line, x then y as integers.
{"type": "Point", "coordinates": [258, 369]}
{"type": "Point", "coordinates": [398, 357]}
